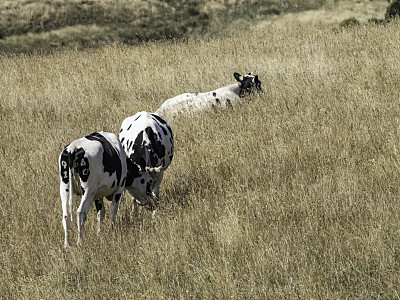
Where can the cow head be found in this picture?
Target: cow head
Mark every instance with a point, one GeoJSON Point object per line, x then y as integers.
{"type": "Point", "coordinates": [248, 83]}
{"type": "Point", "coordinates": [140, 183]}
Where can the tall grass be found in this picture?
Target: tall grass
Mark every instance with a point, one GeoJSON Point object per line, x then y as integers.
{"type": "Point", "coordinates": [291, 194]}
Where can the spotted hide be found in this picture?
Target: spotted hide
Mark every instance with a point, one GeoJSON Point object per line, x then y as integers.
{"type": "Point", "coordinates": [148, 142]}
{"type": "Point", "coordinates": [94, 167]}
{"type": "Point", "coordinates": [222, 97]}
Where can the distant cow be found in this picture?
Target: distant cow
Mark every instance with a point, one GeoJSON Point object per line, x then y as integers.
{"type": "Point", "coordinates": [94, 166]}
{"type": "Point", "coordinates": [222, 97]}
{"type": "Point", "coordinates": [148, 142]}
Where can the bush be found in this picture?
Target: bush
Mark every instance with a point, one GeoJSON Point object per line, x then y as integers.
{"type": "Point", "coordinates": [376, 21]}
{"type": "Point", "coordinates": [350, 22]}
{"type": "Point", "coordinates": [393, 10]}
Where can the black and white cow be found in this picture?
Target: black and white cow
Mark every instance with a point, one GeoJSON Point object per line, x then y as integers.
{"type": "Point", "coordinates": [222, 97]}
{"type": "Point", "coordinates": [95, 167]}
{"type": "Point", "coordinates": [148, 142]}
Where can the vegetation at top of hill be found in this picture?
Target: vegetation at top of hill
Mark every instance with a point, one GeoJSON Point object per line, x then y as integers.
{"type": "Point", "coordinates": [26, 25]}
{"type": "Point", "coordinates": [393, 10]}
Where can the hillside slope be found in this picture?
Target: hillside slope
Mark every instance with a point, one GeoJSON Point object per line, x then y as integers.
{"type": "Point", "coordinates": [27, 25]}
{"type": "Point", "coordinates": [333, 13]}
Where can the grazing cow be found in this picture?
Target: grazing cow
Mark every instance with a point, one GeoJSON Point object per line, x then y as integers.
{"type": "Point", "coordinates": [222, 97]}
{"type": "Point", "coordinates": [94, 166]}
{"type": "Point", "coordinates": [148, 142]}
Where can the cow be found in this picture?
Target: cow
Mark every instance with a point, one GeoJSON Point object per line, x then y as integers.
{"type": "Point", "coordinates": [94, 167]}
{"type": "Point", "coordinates": [149, 145]}
{"type": "Point", "coordinates": [222, 97]}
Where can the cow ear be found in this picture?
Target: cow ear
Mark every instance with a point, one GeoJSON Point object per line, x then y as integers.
{"type": "Point", "coordinates": [237, 77]}
{"type": "Point", "coordinates": [256, 78]}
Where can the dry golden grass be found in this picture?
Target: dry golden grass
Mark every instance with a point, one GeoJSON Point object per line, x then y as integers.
{"type": "Point", "coordinates": [293, 194]}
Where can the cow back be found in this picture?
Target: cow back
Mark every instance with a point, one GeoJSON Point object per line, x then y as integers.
{"type": "Point", "coordinates": [147, 140]}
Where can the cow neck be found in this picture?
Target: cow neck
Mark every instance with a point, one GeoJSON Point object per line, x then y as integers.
{"type": "Point", "coordinates": [234, 88]}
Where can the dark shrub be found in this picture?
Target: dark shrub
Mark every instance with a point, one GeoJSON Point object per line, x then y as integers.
{"type": "Point", "coordinates": [349, 22]}
{"type": "Point", "coordinates": [376, 21]}
{"type": "Point", "coordinates": [393, 10]}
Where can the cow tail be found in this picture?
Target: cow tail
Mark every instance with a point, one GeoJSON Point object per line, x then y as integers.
{"type": "Point", "coordinates": [71, 188]}
{"type": "Point", "coordinates": [71, 163]}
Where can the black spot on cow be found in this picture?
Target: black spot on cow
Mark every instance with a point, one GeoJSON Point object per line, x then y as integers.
{"type": "Point", "coordinates": [155, 150]}
{"type": "Point", "coordinates": [98, 204]}
{"type": "Point", "coordinates": [217, 100]}
{"type": "Point", "coordinates": [113, 184]}
{"type": "Point", "coordinates": [214, 94]}
{"type": "Point", "coordinates": [142, 163]}
{"type": "Point", "coordinates": [120, 130]}
{"type": "Point", "coordinates": [123, 182]}
{"type": "Point", "coordinates": [67, 190]}
{"type": "Point", "coordinates": [165, 132]}
{"type": "Point", "coordinates": [142, 181]}
{"type": "Point", "coordinates": [129, 126]}
{"type": "Point", "coordinates": [133, 172]}
{"type": "Point", "coordinates": [83, 191]}
{"type": "Point", "coordinates": [122, 140]}
{"type": "Point", "coordinates": [137, 117]}
{"type": "Point", "coordinates": [118, 197]}
{"type": "Point", "coordinates": [159, 119]}
{"type": "Point", "coordinates": [81, 164]}
{"type": "Point", "coordinates": [111, 160]}
{"type": "Point", "coordinates": [138, 149]}
{"type": "Point", "coordinates": [148, 188]}
{"type": "Point", "coordinates": [64, 166]}
{"type": "Point", "coordinates": [170, 130]}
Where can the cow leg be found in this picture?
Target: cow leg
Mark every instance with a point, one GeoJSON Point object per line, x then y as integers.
{"type": "Point", "coordinates": [66, 221]}
{"type": "Point", "coordinates": [114, 206]}
{"type": "Point", "coordinates": [82, 211]}
{"type": "Point", "coordinates": [156, 189]}
{"type": "Point", "coordinates": [136, 203]}
{"type": "Point", "coordinates": [101, 211]}
{"type": "Point", "coordinates": [156, 194]}
{"type": "Point", "coordinates": [153, 215]}
{"type": "Point", "coordinates": [135, 207]}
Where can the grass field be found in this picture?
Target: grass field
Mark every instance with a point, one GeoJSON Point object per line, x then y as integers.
{"type": "Point", "coordinates": [291, 194]}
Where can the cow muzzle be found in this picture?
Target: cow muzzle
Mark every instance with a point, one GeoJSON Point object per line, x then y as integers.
{"type": "Point", "coordinates": [151, 202]}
